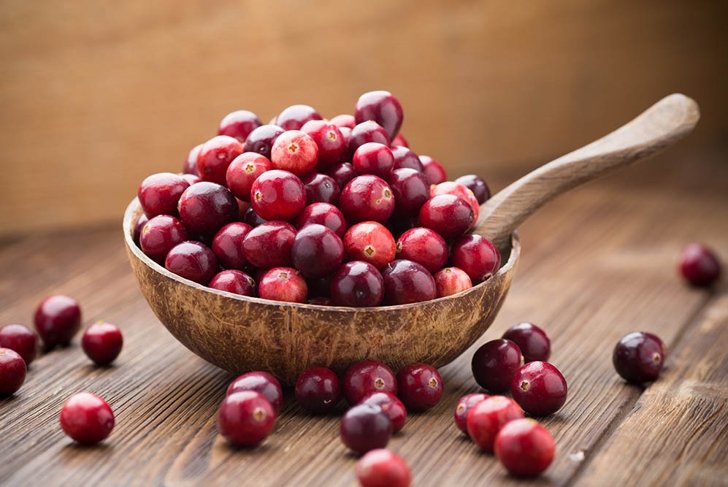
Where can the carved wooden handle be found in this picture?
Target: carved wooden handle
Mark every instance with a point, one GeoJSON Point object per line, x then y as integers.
{"type": "Point", "coordinates": [663, 124]}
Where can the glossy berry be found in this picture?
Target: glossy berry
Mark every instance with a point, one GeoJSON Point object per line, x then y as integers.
{"type": "Point", "coordinates": [342, 173]}
{"type": "Point", "coordinates": [382, 107]}
{"type": "Point", "coordinates": [87, 418]}
{"type": "Point", "coordinates": [451, 280]}
{"type": "Point", "coordinates": [400, 140]}
{"type": "Point", "coordinates": [321, 188]}
{"type": "Point", "coordinates": [638, 357]}
{"type": "Point", "coordinates": [424, 246]}
{"type": "Point", "coordinates": [407, 282]}
{"type": "Point", "coordinates": [252, 218]}
{"type": "Point", "coordinates": [477, 256]}
{"type": "Point", "coordinates": [159, 193]}
{"type": "Point", "coordinates": [477, 185]}
{"type": "Point", "coordinates": [20, 339]}
{"type": "Point", "coordinates": [283, 284]}
{"type": "Point", "coordinates": [366, 377]}
{"type": "Point", "coordinates": [278, 195]}
{"type": "Point", "coordinates": [699, 265]}
{"type": "Point", "coordinates": [12, 372]}
{"type": "Point", "coordinates": [261, 382]}
{"type": "Point", "coordinates": [373, 158]}
{"type": "Point", "coordinates": [364, 428]}
{"type": "Point", "coordinates": [192, 260]}
{"type": "Point", "coordinates": [532, 340]}
{"type": "Point", "coordinates": [215, 156]}
{"type": "Point", "coordinates": [160, 235]}
{"type": "Point", "coordinates": [367, 198]}
{"type": "Point", "coordinates": [344, 120]}
{"type": "Point", "coordinates": [448, 215]}
{"type": "Point", "coordinates": [391, 405]}
{"type": "Point", "coordinates": [102, 343]}
{"type": "Point", "coordinates": [370, 242]}
{"type": "Point", "coordinates": [191, 178]}
{"type": "Point", "coordinates": [419, 386]}
{"type": "Point", "coordinates": [486, 419]}
{"type": "Point", "coordinates": [269, 245]}
{"type": "Point", "coordinates": [404, 158]}
{"type": "Point", "coordinates": [459, 190]}
{"type": "Point", "coordinates": [238, 124]}
{"type": "Point", "coordinates": [410, 191]}
{"type": "Point", "coordinates": [138, 226]}
{"type": "Point", "coordinates": [524, 447]}
{"type": "Point", "coordinates": [364, 132]}
{"type": "Point", "coordinates": [323, 214]}
{"type": "Point", "coordinates": [190, 165]}
{"type": "Point", "coordinates": [330, 142]}
{"type": "Point", "coordinates": [539, 388]}
{"type": "Point", "coordinates": [318, 390]}
{"type": "Point", "coordinates": [262, 138]}
{"type": "Point", "coordinates": [57, 319]}
{"type": "Point", "coordinates": [245, 418]}
{"type": "Point", "coordinates": [228, 245]}
{"type": "Point", "coordinates": [295, 116]}
{"type": "Point", "coordinates": [382, 468]}
{"type": "Point", "coordinates": [495, 363]}
{"type": "Point", "coordinates": [357, 284]}
{"type": "Point", "coordinates": [434, 171]}
{"type": "Point", "coordinates": [317, 251]}
{"type": "Point", "coordinates": [206, 207]}
{"type": "Point", "coordinates": [243, 171]}
{"type": "Point", "coordinates": [233, 281]}
{"type": "Point", "coordinates": [463, 407]}
{"type": "Point", "coordinates": [294, 151]}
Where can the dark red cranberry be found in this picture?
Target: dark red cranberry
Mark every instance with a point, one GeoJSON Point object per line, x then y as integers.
{"type": "Point", "coordinates": [159, 193]}
{"type": "Point", "coordinates": [190, 166]}
{"type": "Point", "coordinates": [262, 138]}
{"type": "Point", "coordinates": [532, 340]}
{"type": "Point", "coordinates": [269, 245]}
{"type": "Point", "coordinates": [228, 245]}
{"type": "Point", "coordinates": [296, 116]}
{"type": "Point", "coordinates": [342, 173]}
{"type": "Point", "coordinates": [245, 418]}
{"type": "Point", "coordinates": [638, 357]}
{"type": "Point", "coordinates": [448, 215]}
{"type": "Point", "coordinates": [160, 234]}
{"type": "Point", "coordinates": [495, 363]}
{"type": "Point", "coordinates": [477, 256]}
{"type": "Point", "coordinates": [261, 382]}
{"type": "Point", "coordinates": [318, 390]}
{"type": "Point", "coordinates": [206, 207]}
{"type": "Point", "coordinates": [539, 388]}
{"type": "Point", "coordinates": [364, 132]}
{"type": "Point", "coordinates": [138, 226]}
{"type": "Point", "coordinates": [383, 108]}
{"type": "Point", "coordinates": [215, 156]}
{"type": "Point", "coordinates": [102, 343]}
{"type": "Point", "coordinates": [323, 214]}
{"type": "Point", "coordinates": [357, 284]}
{"type": "Point", "coordinates": [21, 340]}
{"type": "Point", "coordinates": [344, 120]}
{"type": "Point", "coordinates": [370, 242]}
{"type": "Point", "coordinates": [419, 386]}
{"type": "Point", "coordinates": [373, 158]}
{"type": "Point", "coordinates": [12, 372]}
{"type": "Point", "coordinates": [451, 280]}
{"type": "Point", "coordinates": [400, 140]}
{"type": "Point", "coordinates": [404, 158]}
{"type": "Point", "coordinates": [434, 171]}
{"type": "Point", "coordinates": [382, 468]}
{"type": "Point", "coordinates": [459, 190]}
{"type": "Point", "coordinates": [319, 287]}
{"type": "Point", "coordinates": [57, 320]}
{"type": "Point", "coordinates": [321, 188]}
{"type": "Point", "coordinates": [243, 171]}
{"type": "Point", "coordinates": [192, 260]}
{"type": "Point", "coordinates": [87, 418]}
{"type": "Point", "coordinates": [699, 265]}
{"type": "Point", "coordinates": [367, 198]}
{"type": "Point", "coordinates": [294, 151]}
{"type": "Point", "coordinates": [410, 191]}
{"type": "Point", "coordinates": [477, 185]}
{"type": "Point", "coordinates": [524, 447]}
{"type": "Point", "coordinates": [366, 377]}
{"type": "Point", "coordinates": [331, 143]}
{"type": "Point", "coordinates": [252, 218]}
{"type": "Point", "coordinates": [317, 251]}
{"type": "Point", "coordinates": [400, 225]}
{"type": "Point", "coordinates": [233, 281]}
{"type": "Point", "coordinates": [463, 407]}
{"type": "Point", "coordinates": [364, 428]}
{"type": "Point", "coordinates": [391, 405]}
{"type": "Point", "coordinates": [407, 282]}
{"type": "Point", "coordinates": [278, 195]}
{"type": "Point", "coordinates": [486, 419]}
{"type": "Point", "coordinates": [239, 124]}
{"type": "Point", "coordinates": [283, 284]}
{"type": "Point", "coordinates": [424, 246]}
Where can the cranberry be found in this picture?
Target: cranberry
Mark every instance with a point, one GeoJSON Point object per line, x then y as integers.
{"type": "Point", "coordinates": [243, 171]}
{"type": "Point", "coordinates": [192, 260]}
{"type": "Point", "coordinates": [233, 281]}
{"type": "Point", "coordinates": [321, 188]}
{"type": "Point", "coordinates": [318, 390]}
{"type": "Point", "coordinates": [269, 245]}
{"type": "Point", "coordinates": [206, 207]}
{"type": "Point", "coordinates": [102, 342]}
{"type": "Point", "coordinates": [239, 124]}
{"type": "Point", "coordinates": [278, 195]}
{"type": "Point", "coordinates": [159, 193]}
{"type": "Point", "coordinates": [382, 468]}
{"type": "Point", "coordinates": [495, 363]}
{"type": "Point", "coordinates": [294, 151]}
{"type": "Point", "coordinates": [539, 388]}
{"type": "Point", "coordinates": [12, 372]}
{"type": "Point", "coordinates": [21, 340]}
{"type": "Point", "coordinates": [324, 214]}
{"type": "Point", "coordinates": [364, 428]}
{"type": "Point", "coordinates": [404, 158]}
{"type": "Point", "coordinates": [160, 234]}
{"type": "Point", "coordinates": [262, 138]}
{"type": "Point", "coordinates": [448, 215]}
{"type": "Point", "coordinates": [252, 218]}
{"type": "Point", "coordinates": [342, 173]}
{"type": "Point", "coordinates": [57, 320]}
{"type": "Point", "coordinates": [407, 282]}
{"type": "Point", "coordinates": [383, 108]}
{"type": "Point", "coordinates": [638, 357]}
{"type": "Point", "coordinates": [465, 404]}
{"type": "Point", "coordinates": [283, 284]}
{"type": "Point", "coordinates": [424, 246]}
{"type": "Point", "coordinates": [367, 198]}
{"type": "Point", "coordinates": [525, 447]}
{"type": "Point", "coordinates": [261, 382]}
{"type": "Point", "coordinates": [434, 171]}
{"type": "Point", "coordinates": [190, 166]}
{"type": "Point", "coordinates": [228, 244]}
{"type": "Point", "coordinates": [296, 116]}
{"type": "Point", "coordinates": [364, 132]}
{"type": "Point", "coordinates": [532, 340]}
{"type": "Point", "coordinates": [344, 120]}
{"type": "Point", "coordinates": [317, 251]}
{"type": "Point", "coordinates": [391, 405]}
{"type": "Point", "coordinates": [477, 185]}
{"type": "Point", "coordinates": [699, 265]}
{"type": "Point", "coordinates": [419, 386]}
{"type": "Point", "coordinates": [410, 191]}
{"type": "Point", "coordinates": [215, 156]}
{"type": "Point", "coordinates": [138, 226]}
{"type": "Point", "coordinates": [451, 280]}
{"type": "Point", "coordinates": [87, 418]}
{"type": "Point", "coordinates": [400, 140]}
{"type": "Point", "coordinates": [191, 179]}
{"type": "Point", "coordinates": [331, 143]}
{"type": "Point", "coordinates": [459, 190]}
{"type": "Point", "coordinates": [477, 256]}
{"type": "Point", "coordinates": [357, 284]}
{"type": "Point", "coordinates": [486, 419]}
{"type": "Point", "coordinates": [245, 418]}
{"type": "Point", "coordinates": [373, 158]}
{"type": "Point", "coordinates": [370, 242]}
{"type": "Point", "coordinates": [366, 377]}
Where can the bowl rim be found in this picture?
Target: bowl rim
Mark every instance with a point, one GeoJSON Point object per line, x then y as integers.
{"type": "Point", "coordinates": [134, 207]}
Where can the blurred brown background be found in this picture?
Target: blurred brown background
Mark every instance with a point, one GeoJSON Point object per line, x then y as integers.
{"type": "Point", "coordinates": [97, 95]}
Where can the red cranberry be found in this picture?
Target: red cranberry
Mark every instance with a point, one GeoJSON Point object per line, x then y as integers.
{"type": "Point", "coordinates": [245, 418]}
{"type": "Point", "coordinates": [191, 178]}
{"type": "Point", "coordinates": [243, 171]}
{"type": "Point", "coordinates": [370, 242]}
{"type": "Point", "coordinates": [331, 143]}
{"type": "Point", "coordinates": [382, 468]}
{"type": "Point", "coordinates": [324, 214]}
{"type": "Point", "coordinates": [400, 140]}
{"type": "Point", "coordinates": [102, 342]}
{"type": "Point", "coordinates": [699, 265]}
{"type": "Point", "coordinates": [228, 244]}
{"type": "Point", "coordinates": [190, 166]}
{"type": "Point", "coordinates": [367, 198]}
{"type": "Point", "coordinates": [57, 320]}
{"type": "Point", "coordinates": [160, 234]}
{"type": "Point", "coordinates": [269, 245]}
{"type": "Point", "coordinates": [434, 171]}
{"type": "Point", "coordinates": [215, 156]}
{"type": "Point", "coordinates": [318, 390]}
{"type": "Point", "coordinates": [410, 191]}
{"type": "Point", "coordinates": [12, 372]}
{"type": "Point", "coordinates": [21, 340]}
{"type": "Point", "coordinates": [407, 282]}
{"type": "Point", "coordinates": [317, 251]}
{"type": "Point", "coordinates": [459, 190]}
{"type": "Point", "coordinates": [477, 185]}
{"type": "Point", "coordinates": [451, 280]}
{"type": "Point", "coordinates": [364, 132]}
{"type": "Point", "coordinates": [477, 256]}
{"type": "Point", "coordinates": [342, 173]}
{"type": "Point", "coordinates": [344, 120]}
{"type": "Point", "coordinates": [391, 405]}
{"type": "Point", "coordinates": [357, 284]}
{"type": "Point", "coordinates": [239, 124]}
{"type": "Point", "coordinates": [262, 138]}
{"type": "Point", "coordinates": [159, 193]}
{"type": "Point", "coordinates": [532, 340]}
{"type": "Point", "coordinates": [524, 447]}
{"type": "Point", "coordinates": [252, 218]}
{"type": "Point", "coordinates": [138, 226]}
{"type": "Point", "coordinates": [383, 108]}
{"type": "Point", "coordinates": [233, 281]}
{"type": "Point", "coordinates": [373, 158]}
{"type": "Point", "coordinates": [364, 428]}
{"type": "Point", "coordinates": [321, 188]}
{"type": "Point", "coordinates": [192, 260]}
{"type": "Point", "coordinates": [539, 388]}
{"type": "Point", "coordinates": [294, 151]}
{"type": "Point", "coordinates": [261, 382]}
{"type": "Point", "coordinates": [638, 357]}
{"type": "Point", "coordinates": [448, 215]}
{"type": "Point", "coordinates": [495, 363]}
{"type": "Point", "coordinates": [87, 418]}
{"type": "Point", "coordinates": [486, 419]}
{"type": "Point", "coordinates": [419, 386]}
{"type": "Point", "coordinates": [404, 158]}
{"type": "Point", "coordinates": [278, 195]}
{"type": "Point", "coordinates": [464, 405]}
{"type": "Point", "coordinates": [366, 377]}
{"type": "Point", "coordinates": [206, 207]}
{"type": "Point", "coordinates": [424, 246]}
{"type": "Point", "coordinates": [296, 116]}
{"type": "Point", "coordinates": [283, 284]}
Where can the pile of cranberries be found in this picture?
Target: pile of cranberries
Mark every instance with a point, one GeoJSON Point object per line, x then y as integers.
{"type": "Point", "coordinates": [332, 212]}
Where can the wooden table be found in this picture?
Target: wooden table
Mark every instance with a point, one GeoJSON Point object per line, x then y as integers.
{"type": "Point", "coordinates": [597, 263]}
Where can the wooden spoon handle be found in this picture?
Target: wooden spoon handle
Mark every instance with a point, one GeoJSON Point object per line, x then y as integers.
{"type": "Point", "coordinates": [661, 125]}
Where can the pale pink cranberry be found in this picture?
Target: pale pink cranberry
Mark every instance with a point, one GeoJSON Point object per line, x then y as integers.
{"type": "Point", "coordinates": [451, 280]}
{"type": "Point", "coordinates": [283, 284]}
{"type": "Point", "coordinates": [296, 152]}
